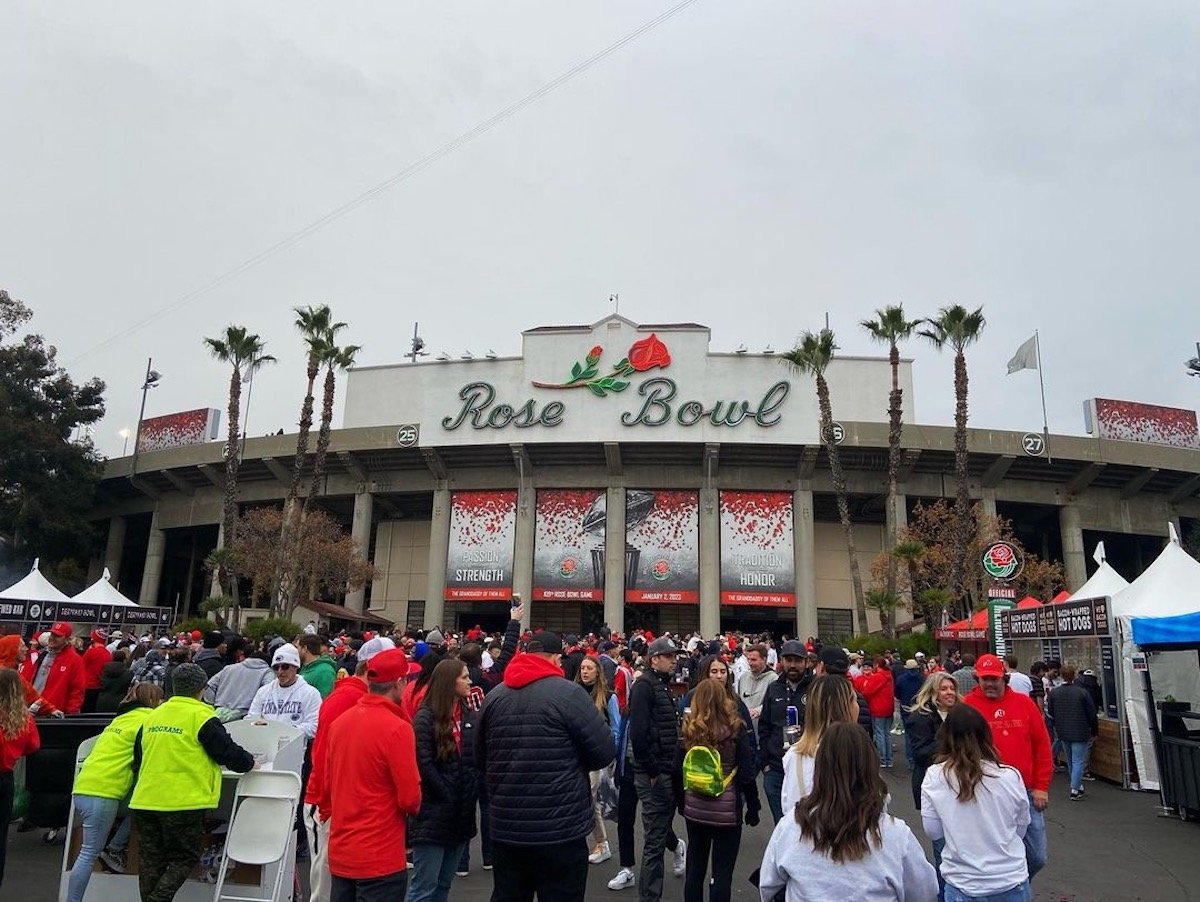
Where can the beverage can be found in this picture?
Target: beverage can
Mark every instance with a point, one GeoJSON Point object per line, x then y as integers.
{"type": "Point", "coordinates": [793, 716]}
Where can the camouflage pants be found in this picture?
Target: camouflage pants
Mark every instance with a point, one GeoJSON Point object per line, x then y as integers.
{"type": "Point", "coordinates": [169, 847]}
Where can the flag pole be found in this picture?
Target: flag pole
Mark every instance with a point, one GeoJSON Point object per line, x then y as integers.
{"type": "Point", "coordinates": [1042, 382]}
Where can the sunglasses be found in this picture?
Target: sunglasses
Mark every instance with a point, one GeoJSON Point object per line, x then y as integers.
{"type": "Point", "coordinates": [279, 667]}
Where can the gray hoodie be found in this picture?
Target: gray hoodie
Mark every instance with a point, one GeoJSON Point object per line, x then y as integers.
{"type": "Point", "coordinates": [234, 687]}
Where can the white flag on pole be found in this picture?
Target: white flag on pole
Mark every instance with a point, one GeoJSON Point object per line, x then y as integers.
{"type": "Point", "coordinates": [1026, 357]}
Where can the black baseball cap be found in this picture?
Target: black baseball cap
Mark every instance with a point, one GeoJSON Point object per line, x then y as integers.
{"type": "Point", "coordinates": [835, 660]}
{"type": "Point", "coordinates": [546, 642]}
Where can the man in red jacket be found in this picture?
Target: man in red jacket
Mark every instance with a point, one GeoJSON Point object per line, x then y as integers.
{"type": "Point", "coordinates": [94, 659]}
{"type": "Point", "coordinates": [371, 785]}
{"type": "Point", "coordinates": [1019, 732]}
{"type": "Point", "coordinates": [59, 675]}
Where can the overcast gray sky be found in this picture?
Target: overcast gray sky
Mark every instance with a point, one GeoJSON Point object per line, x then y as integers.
{"type": "Point", "coordinates": [748, 165]}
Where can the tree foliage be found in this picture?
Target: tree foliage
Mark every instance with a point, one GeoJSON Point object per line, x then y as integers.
{"type": "Point", "coordinates": [47, 482]}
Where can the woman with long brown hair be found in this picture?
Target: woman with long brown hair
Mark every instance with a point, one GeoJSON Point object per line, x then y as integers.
{"type": "Point", "coordinates": [831, 699]}
{"type": "Point", "coordinates": [714, 823]}
{"type": "Point", "coordinates": [449, 782]}
{"type": "Point", "coordinates": [978, 807]}
{"type": "Point", "coordinates": [18, 738]}
{"type": "Point", "coordinates": [839, 842]}
{"type": "Point", "coordinates": [590, 676]}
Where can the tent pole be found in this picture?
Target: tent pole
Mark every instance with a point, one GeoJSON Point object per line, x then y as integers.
{"type": "Point", "coordinates": [1164, 810]}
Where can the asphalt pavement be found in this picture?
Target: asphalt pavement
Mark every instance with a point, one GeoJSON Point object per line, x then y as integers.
{"type": "Point", "coordinates": [1110, 846]}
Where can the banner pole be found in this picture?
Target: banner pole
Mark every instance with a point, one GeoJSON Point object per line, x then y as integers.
{"type": "Point", "coordinates": [1042, 382]}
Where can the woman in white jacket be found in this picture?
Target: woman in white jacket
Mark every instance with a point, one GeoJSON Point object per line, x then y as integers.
{"type": "Point", "coordinates": [831, 699]}
{"type": "Point", "coordinates": [979, 807]}
{"type": "Point", "coordinates": [840, 842]}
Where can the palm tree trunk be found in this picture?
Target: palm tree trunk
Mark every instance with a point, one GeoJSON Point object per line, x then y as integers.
{"type": "Point", "coordinates": [843, 505]}
{"type": "Point", "coordinates": [324, 435]}
{"type": "Point", "coordinates": [962, 498]}
{"type": "Point", "coordinates": [232, 446]}
{"type": "Point", "coordinates": [290, 507]}
{"type": "Point", "coordinates": [895, 402]}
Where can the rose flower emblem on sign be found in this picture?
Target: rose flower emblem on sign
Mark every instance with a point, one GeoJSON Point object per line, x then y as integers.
{"type": "Point", "coordinates": [648, 354]}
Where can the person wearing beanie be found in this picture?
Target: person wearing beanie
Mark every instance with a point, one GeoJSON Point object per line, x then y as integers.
{"type": "Point", "coordinates": [371, 786]}
{"type": "Point", "coordinates": [288, 698]}
{"type": "Point", "coordinates": [211, 658]}
{"type": "Point", "coordinates": [177, 756]}
{"type": "Point", "coordinates": [94, 659]}
{"type": "Point", "coordinates": [434, 639]}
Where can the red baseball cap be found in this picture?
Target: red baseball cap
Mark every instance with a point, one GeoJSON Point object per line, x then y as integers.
{"type": "Point", "coordinates": [62, 630]}
{"type": "Point", "coordinates": [387, 667]}
{"type": "Point", "coordinates": [197, 635]}
{"type": "Point", "coordinates": [989, 666]}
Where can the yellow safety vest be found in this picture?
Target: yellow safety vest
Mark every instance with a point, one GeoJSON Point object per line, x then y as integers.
{"type": "Point", "coordinates": [107, 772]}
{"type": "Point", "coordinates": [176, 773]}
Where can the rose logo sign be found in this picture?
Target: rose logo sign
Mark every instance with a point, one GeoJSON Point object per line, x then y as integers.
{"type": "Point", "coordinates": [1002, 561]}
{"type": "Point", "coordinates": [648, 354]}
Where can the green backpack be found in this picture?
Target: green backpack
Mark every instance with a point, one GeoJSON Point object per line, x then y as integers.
{"type": "Point", "coordinates": [703, 773]}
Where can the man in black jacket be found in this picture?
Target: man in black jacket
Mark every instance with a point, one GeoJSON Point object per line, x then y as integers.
{"type": "Point", "coordinates": [834, 661]}
{"type": "Point", "coordinates": [787, 691]}
{"type": "Point", "coordinates": [654, 735]}
{"type": "Point", "coordinates": [1073, 714]}
{"type": "Point", "coordinates": [537, 739]}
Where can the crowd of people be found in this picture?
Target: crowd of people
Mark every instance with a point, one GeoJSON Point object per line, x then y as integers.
{"type": "Point", "coordinates": [418, 741]}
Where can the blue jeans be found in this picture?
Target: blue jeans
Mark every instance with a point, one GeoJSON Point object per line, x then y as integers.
{"type": "Point", "coordinates": [1035, 840]}
{"type": "Point", "coordinates": [1019, 893]}
{"type": "Point", "coordinates": [1077, 761]}
{"type": "Point", "coordinates": [881, 729]}
{"type": "Point", "coordinates": [939, 846]}
{"type": "Point", "coordinates": [432, 871]}
{"type": "Point", "coordinates": [485, 834]}
{"type": "Point", "coordinates": [773, 789]}
{"type": "Point", "coordinates": [96, 818]}
{"type": "Point", "coordinates": [908, 749]}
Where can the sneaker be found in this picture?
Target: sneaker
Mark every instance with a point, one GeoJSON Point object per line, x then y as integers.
{"type": "Point", "coordinates": [114, 861]}
{"type": "Point", "coordinates": [26, 825]}
{"type": "Point", "coordinates": [487, 865]}
{"type": "Point", "coordinates": [680, 858]}
{"type": "Point", "coordinates": [461, 873]}
{"type": "Point", "coordinates": [625, 878]}
{"type": "Point", "coordinates": [600, 854]}
{"type": "Point", "coordinates": [1076, 795]}
{"type": "Point", "coordinates": [1090, 778]}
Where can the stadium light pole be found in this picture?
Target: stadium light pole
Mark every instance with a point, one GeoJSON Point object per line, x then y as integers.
{"type": "Point", "coordinates": [151, 381]}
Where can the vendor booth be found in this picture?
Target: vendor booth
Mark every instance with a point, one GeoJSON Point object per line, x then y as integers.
{"type": "Point", "coordinates": [34, 604]}
{"type": "Point", "coordinates": [969, 636]}
{"type": "Point", "coordinates": [33, 589]}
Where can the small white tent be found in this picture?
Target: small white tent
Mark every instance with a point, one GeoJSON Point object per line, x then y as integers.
{"type": "Point", "coordinates": [33, 587]}
{"type": "Point", "coordinates": [1168, 587]}
{"type": "Point", "coordinates": [103, 592]}
{"type": "Point", "coordinates": [1105, 581]}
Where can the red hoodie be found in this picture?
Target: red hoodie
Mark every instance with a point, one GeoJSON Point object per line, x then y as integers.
{"type": "Point", "coordinates": [345, 695]}
{"type": "Point", "coordinates": [1019, 732]}
{"type": "Point", "coordinates": [526, 668]}
{"type": "Point", "coordinates": [877, 689]}
{"type": "Point", "coordinates": [8, 658]}
{"type": "Point", "coordinates": [94, 660]}
{"type": "Point", "coordinates": [24, 743]}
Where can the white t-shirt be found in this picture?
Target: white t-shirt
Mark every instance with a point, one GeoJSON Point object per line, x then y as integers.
{"type": "Point", "coordinates": [985, 852]}
{"type": "Point", "coordinates": [797, 779]}
{"type": "Point", "coordinates": [772, 656]}
{"type": "Point", "coordinates": [1020, 682]}
{"type": "Point", "coordinates": [897, 871]}
{"type": "Point", "coordinates": [297, 705]}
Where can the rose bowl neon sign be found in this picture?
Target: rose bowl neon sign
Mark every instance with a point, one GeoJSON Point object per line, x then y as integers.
{"type": "Point", "coordinates": [480, 409]}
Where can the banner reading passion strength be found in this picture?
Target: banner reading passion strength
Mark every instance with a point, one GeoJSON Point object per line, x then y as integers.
{"type": "Point", "coordinates": [758, 562]}
{"type": "Point", "coordinates": [662, 547]}
{"type": "Point", "coordinates": [479, 561]}
{"type": "Point", "coordinates": [568, 545]}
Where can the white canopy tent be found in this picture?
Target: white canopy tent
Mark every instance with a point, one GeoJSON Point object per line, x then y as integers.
{"type": "Point", "coordinates": [1105, 581]}
{"type": "Point", "coordinates": [102, 591]}
{"type": "Point", "coordinates": [1168, 587]}
{"type": "Point", "coordinates": [33, 587]}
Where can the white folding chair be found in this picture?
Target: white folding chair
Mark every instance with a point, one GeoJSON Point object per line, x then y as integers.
{"type": "Point", "coordinates": [260, 831]}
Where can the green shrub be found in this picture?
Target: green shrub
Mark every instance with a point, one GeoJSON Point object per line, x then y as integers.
{"type": "Point", "coordinates": [876, 644]}
{"type": "Point", "coordinates": [264, 626]}
{"type": "Point", "coordinates": [194, 623]}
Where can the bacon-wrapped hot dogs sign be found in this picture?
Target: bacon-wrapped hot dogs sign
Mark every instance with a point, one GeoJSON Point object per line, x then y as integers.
{"type": "Point", "coordinates": [758, 561]}
{"type": "Point", "coordinates": [479, 561]}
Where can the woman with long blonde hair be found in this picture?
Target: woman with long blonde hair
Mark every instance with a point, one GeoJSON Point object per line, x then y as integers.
{"type": "Point", "coordinates": [18, 738]}
{"type": "Point", "coordinates": [831, 699]}
{"type": "Point", "coordinates": [590, 676]}
{"type": "Point", "coordinates": [714, 824]}
{"type": "Point", "coordinates": [922, 720]}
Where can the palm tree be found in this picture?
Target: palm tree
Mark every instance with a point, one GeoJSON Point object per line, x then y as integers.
{"type": "Point", "coordinates": [317, 329]}
{"type": "Point", "coordinates": [337, 359]}
{"type": "Point", "coordinates": [811, 357]}
{"type": "Point", "coordinates": [245, 353]}
{"type": "Point", "coordinates": [910, 551]}
{"type": "Point", "coordinates": [957, 327]}
{"type": "Point", "coordinates": [891, 327]}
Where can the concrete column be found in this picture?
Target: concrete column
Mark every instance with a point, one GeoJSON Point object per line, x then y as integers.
{"type": "Point", "coordinates": [806, 565]}
{"type": "Point", "coordinates": [115, 548]}
{"type": "Point", "coordinates": [988, 502]}
{"type": "Point", "coordinates": [439, 546]}
{"type": "Point", "coordinates": [614, 560]}
{"type": "Point", "coordinates": [214, 588]}
{"type": "Point", "coordinates": [710, 563]}
{"type": "Point", "coordinates": [523, 550]}
{"type": "Point", "coordinates": [360, 531]}
{"type": "Point", "coordinates": [1072, 542]}
{"type": "Point", "coordinates": [152, 572]}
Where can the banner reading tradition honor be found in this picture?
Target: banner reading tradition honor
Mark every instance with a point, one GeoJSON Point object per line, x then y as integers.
{"type": "Point", "coordinates": [758, 562]}
{"type": "Point", "coordinates": [568, 545]}
{"type": "Point", "coordinates": [479, 561]}
{"type": "Point", "coordinates": [662, 547]}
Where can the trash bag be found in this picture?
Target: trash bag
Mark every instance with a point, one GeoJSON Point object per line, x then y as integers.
{"type": "Point", "coordinates": [20, 806]}
{"type": "Point", "coordinates": [607, 794]}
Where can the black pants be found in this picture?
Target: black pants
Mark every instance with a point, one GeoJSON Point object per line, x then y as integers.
{"type": "Point", "coordinates": [627, 806]}
{"type": "Point", "coordinates": [722, 843]}
{"type": "Point", "coordinates": [556, 873]}
{"type": "Point", "coordinates": [6, 807]}
{"type": "Point", "coordinates": [390, 888]}
{"type": "Point", "coordinates": [169, 847]}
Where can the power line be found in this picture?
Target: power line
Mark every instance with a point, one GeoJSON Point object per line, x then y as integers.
{"type": "Point", "coordinates": [403, 175]}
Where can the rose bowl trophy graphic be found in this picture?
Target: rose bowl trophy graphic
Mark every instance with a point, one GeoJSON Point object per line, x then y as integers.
{"type": "Point", "coordinates": [568, 532]}
{"type": "Point", "coordinates": [662, 547]}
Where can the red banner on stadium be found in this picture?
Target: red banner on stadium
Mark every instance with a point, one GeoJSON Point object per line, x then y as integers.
{"type": "Point", "coordinates": [479, 560]}
{"type": "Point", "coordinates": [758, 560]}
{"type": "Point", "coordinates": [662, 547]}
{"type": "Point", "coordinates": [568, 545]}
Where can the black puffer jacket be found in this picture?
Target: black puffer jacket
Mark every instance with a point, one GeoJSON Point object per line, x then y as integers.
{"type": "Point", "coordinates": [537, 737]}
{"type": "Point", "coordinates": [114, 684]}
{"type": "Point", "coordinates": [1074, 713]}
{"type": "Point", "coordinates": [922, 727]}
{"type": "Point", "coordinates": [449, 789]}
{"type": "Point", "coordinates": [653, 724]}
